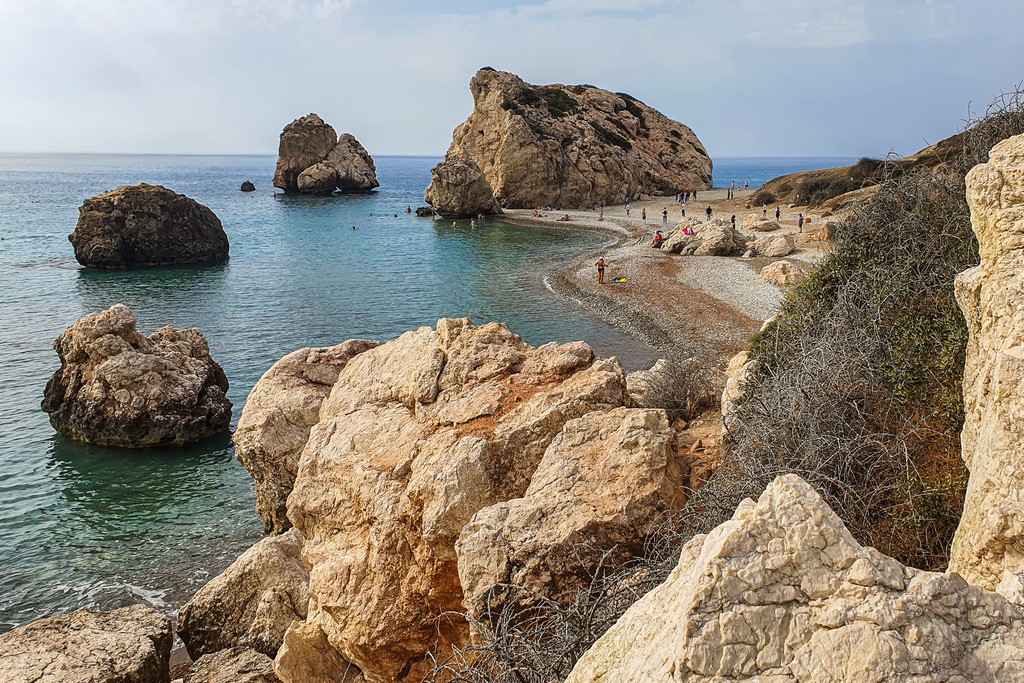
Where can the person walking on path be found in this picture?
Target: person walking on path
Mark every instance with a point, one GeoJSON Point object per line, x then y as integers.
{"type": "Point", "coordinates": [664, 216]}
{"type": "Point", "coordinates": [682, 210]}
{"type": "Point", "coordinates": [764, 211]}
{"type": "Point", "coordinates": [800, 223]}
{"type": "Point", "coordinates": [778, 213]}
{"type": "Point", "coordinates": [643, 215]}
{"type": "Point", "coordinates": [600, 270]}
{"type": "Point", "coordinates": [708, 212]}
{"type": "Point", "coordinates": [734, 221]}
{"type": "Point", "coordinates": [627, 210]}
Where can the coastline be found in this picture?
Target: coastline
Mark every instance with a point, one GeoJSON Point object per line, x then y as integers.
{"type": "Point", "coordinates": [672, 303]}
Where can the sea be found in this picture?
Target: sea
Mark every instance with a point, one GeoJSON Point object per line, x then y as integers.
{"type": "Point", "coordinates": [88, 526]}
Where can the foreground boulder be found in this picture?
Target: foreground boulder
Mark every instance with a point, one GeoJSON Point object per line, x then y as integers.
{"type": "Point", "coordinates": [128, 645]}
{"type": "Point", "coordinates": [756, 223]}
{"type": "Point", "coordinates": [313, 160]}
{"type": "Point", "coordinates": [573, 146]}
{"type": "Point", "coordinates": [458, 188]}
{"type": "Point", "coordinates": [252, 603]}
{"type": "Point", "coordinates": [603, 486]}
{"type": "Point", "coordinates": [234, 665]}
{"type": "Point", "coordinates": [146, 225]}
{"type": "Point", "coordinates": [783, 592]}
{"type": "Point", "coordinates": [116, 387]}
{"type": "Point", "coordinates": [773, 245]}
{"type": "Point", "coordinates": [785, 273]}
{"type": "Point", "coordinates": [716, 237]}
{"type": "Point", "coordinates": [416, 436]}
{"type": "Point", "coordinates": [989, 543]}
{"type": "Point", "coordinates": [274, 425]}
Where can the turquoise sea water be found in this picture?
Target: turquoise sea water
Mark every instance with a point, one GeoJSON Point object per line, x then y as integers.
{"type": "Point", "coordinates": [100, 527]}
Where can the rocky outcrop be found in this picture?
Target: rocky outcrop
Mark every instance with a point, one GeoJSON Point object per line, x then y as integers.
{"type": "Point", "coordinates": [274, 425]}
{"type": "Point", "coordinates": [642, 385]}
{"type": "Point", "coordinates": [716, 237]}
{"type": "Point", "coordinates": [415, 437]}
{"type": "Point", "coordinates": [313, 160]}
{"type": "Point", "coordinates": [116, 387]}
{"type": "Point", "coordinates": [782, 592]}
{"type": "Point", "coordinates": [234, 665]}
{"type": "Point", "coordinates": [247, 186]}
{"type": "Point", "coordinates": [785, 273]}
{"type": "Point", "coordinates": [774, 245]}
{"type": "Point", "coordinates": [756, 223]}
{"type": "Point", "coordinates": [251, 603]}
{"type": "Point", "coordinates": [989, 542]}
{"type": "Point", "coordinates": [308, 657]}
{"type": "Point", "coordinates": [600, 491]}
{"type": "Point", "coordinates": [574, 146]}
{"type": "Point", "coordinates": [128, 645]}
{"type": "Point", "coordinates": [146, 225]}
{"type": "Point", "coordinates": [458, 188]}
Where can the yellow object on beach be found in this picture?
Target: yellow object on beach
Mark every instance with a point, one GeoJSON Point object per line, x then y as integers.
{"type": "Point", "coordinates": [621, 279]}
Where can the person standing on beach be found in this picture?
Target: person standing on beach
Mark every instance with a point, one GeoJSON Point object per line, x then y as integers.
{"type": "Point", "coordinates": [800, 223]}
{"type": "Point", "coordinates": [708, 212]}
{"type": "Point", "coordinates": [682, 209]}
{"type": "Point", "coordinates": [600, 270]}
{"type": "Point", "coordinates": [744, 184]}
{"type": "Point", "coordinates": [734, 221]}
{"type": "Point", "coordinates": [643, 215]}
{"type": "Point", "coordinates": [664, 216]}
{"type": "Point", "coordinates": [764, 211]}
{"type": "Point", "coordinates": [627, 210]}
{"type": "Point", "coordinates": [778, 213]}
{"type": "Point", "coordinates": [601, 216]}
{"type": "Point", "coordinates": [695, 195]}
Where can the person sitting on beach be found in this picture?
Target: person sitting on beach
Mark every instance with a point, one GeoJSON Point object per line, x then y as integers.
{"type": "Point", "coordinates": [536, 213]}
{"type": "Point", "coordinates": [565, 218]}
{"type": "Point", "coordinates": [688, 231]}
{"type": "Point", "coordinates": [658, 239]}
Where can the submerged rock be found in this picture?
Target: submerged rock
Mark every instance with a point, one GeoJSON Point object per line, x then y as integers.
{"type": "Point", "coordinates": [116, 387]}
{"type": "Point", "coordinates": [989, 543]}
{"type": "Point", "coordinates": [128, 645]}
{"type": "Point", "coordinates": [783, 593]}
{"type": "Point", "coordinates": [252, 603]}
{"type": "Point", "coordinates": [572, 146]}
{"type": "Point", "coordinates": [458, 188]}
{"type": "Point", "coordinates": [146, 225]}
{"type": "Point", "coordinates": [313, 160]}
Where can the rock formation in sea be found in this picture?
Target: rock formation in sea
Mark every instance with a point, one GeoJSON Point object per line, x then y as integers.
{"type": "Point", "coordinates": [146, 225]}
{"type": "Point", "coordinates": [458, 188]}
{"type": "Point", "coordinates": [128, 645]}
{"type": "Point", "coordinates": [116, 387]}
{"type": "Point", "coordinates": [275, 422]}
{"type": "Point", "coordinates": [571, 146]}
{"type": "Point", "coordinates": [312, 159]}
{"type": "Point", "coordinates": [251, 603]}
{"type": "Point", "coordinates": [988, 548]}
{"type": "Point", "coordinates": [783, 592]}
{"type": "Point", "coordinates": [247, 186]}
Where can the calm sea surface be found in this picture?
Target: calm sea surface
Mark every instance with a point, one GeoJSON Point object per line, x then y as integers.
{"type": "Point", "coordinates": [85, 526]}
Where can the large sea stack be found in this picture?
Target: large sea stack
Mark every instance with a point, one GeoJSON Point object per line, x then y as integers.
{"type": "Point", "coordinates": [571, 146]}
{"type": "Point", "coordinates": [146, 225]}
{"type": "Point", "coordinates": [312, 159]}
{"type": "Point", "coordinates": [116, 387]}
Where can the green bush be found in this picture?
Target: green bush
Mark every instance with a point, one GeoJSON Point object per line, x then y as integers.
{"type": "Point", "coordinates": [612, 138]}
{"type": "Point", "coordinates": [762, 197]}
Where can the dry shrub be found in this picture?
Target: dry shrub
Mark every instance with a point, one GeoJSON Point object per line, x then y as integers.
{"type": "Point", "coordinates": [685, 385]}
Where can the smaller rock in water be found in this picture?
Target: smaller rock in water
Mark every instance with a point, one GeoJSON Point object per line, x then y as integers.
{"type": "Point", "coordinates": [116, 387]}
{"type": "Point", "coordinates": [128, 645]}
{"type": "Point", "coordinates": [312, 160]}
{"type": "Point", "coordinates": [425, 211]}
{"type": "Point", "coordinates": [458, 188]}
{"type": "Point", "coordinates": [146, 225]}
{"type": "Point", "coordinates": [247, 186]}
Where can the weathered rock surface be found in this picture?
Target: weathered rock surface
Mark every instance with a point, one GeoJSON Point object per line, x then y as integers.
{"type": "Point", "coordinates": [604, 483]}
{"type": "Point", "coordinates": [716, 237]}
{"type": "Point", "coordinates": [458, 188]}
{"type": "Point", "coordinates": [774, 245]}
{"type": "Point", "coordinates": [234, 665]}
{"type": "Point", "coordinates": [782, 592]}
{"type": "Point", "coordinates": [274, 425]}
{"type": "Point", "coordinates": [313, 160]}
{"type": "Point", "coordinates": [574, 146]}
{"type": "Point", "coordinates": [642, 383]}
{"type": "Point", "coordinates": [308, 657]}
{"type": "Point", "coordinates": [756, 223]}
{"type": "Point", "coordinates": [146, 225]}
{"type": "Point", "coordinates": [128, 645]}
{"type": "Point", "coordinates": [247, 186]}
{"type": "Point", "coordinates": [116, 387]}
{"type": "Point", "coordinates": [785, 273]}
{"type": "Point", "coordinates": [416, 436]}
{"type": "Point", "coordinates": [990, 538]}
{"type": "Point", "coordinates": [251, 603]}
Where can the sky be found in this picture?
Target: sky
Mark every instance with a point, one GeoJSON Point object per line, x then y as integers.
{"type": "Point", "coordinates": [750, 77]}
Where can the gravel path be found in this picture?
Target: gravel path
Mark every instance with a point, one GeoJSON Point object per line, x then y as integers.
{"type": "Point", "coordinates": [733, 282]}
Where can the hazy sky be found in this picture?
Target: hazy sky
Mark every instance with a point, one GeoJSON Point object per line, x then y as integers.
{"type": "Point", "coordinates": [751, 77]}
